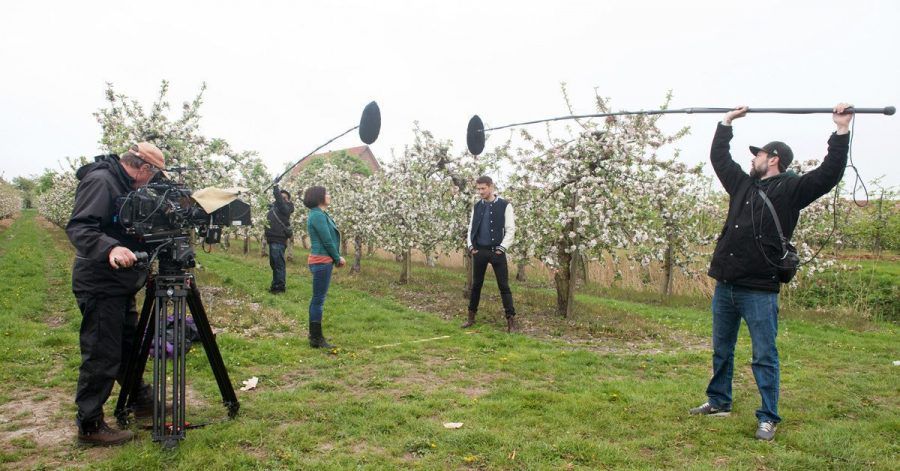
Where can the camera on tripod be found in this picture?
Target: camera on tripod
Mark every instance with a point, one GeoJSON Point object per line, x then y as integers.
{"type": "Point", "coordinates": [165, 216]}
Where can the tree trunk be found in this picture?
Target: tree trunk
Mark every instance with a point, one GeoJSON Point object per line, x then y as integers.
{"type": "Point", "coordinates": [344, 246]}
{"type": "Point", "coordinates": [305, 242]}
{"type": "Point", "coordinates": [289, 253]}
{"type": "Point", "coordinates": [586, 269]}
{"type": "Point", "coordinates": [357, 257]}
{"type": "Point", "coordinates": [263, 247]}
{"type": "Point", "coordinates": [246, 244]}
{"type": "Point", "coordinates": [430, 260]}
{"type": "Point", "coordinates": [407, 266]}
{"type": "Point", "coordinates": [371, 248]}
{"type": "Point", "coordinates": [667, 271]}
{"type": "Point", "coordinates": [879, 223]}
{"type": "Point", "coordinates": [521, 264]}
{"type": "Point", "coordinates": [564, 284]}
{"type": "Point", "coordinates": [579, 272]}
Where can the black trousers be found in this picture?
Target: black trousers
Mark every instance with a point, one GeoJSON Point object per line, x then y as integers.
{"type": "Point", "coordinates": [480, 260]}
{"type": "Point", "coordinates": [108, 328]}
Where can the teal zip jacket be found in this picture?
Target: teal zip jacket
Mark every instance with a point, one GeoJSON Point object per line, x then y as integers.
{"type": "Point", "coordinates": [324, 237]}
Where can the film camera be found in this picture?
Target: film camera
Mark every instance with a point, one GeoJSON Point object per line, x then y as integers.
{"type": "Point", "coordinates": [165, 214]}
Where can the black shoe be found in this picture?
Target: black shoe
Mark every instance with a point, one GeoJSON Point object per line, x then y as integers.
{"type": "Point", "coordinates": [316, 339]}
{"type": "Point", "coordinates": [276, 290]}
{"type": "Point", "coordinates": [98, 433]}
{"type": "Point", "coordinates": [710, 410]}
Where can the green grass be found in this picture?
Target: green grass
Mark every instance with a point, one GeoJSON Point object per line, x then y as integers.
{"type": "Point", "coordinates": [608, 389]}
{"type": "Point", "coordinates": [872, 286]}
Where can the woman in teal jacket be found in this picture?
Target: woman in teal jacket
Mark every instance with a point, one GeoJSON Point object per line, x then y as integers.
{"type": "Point", "coordinates": [324, 254]}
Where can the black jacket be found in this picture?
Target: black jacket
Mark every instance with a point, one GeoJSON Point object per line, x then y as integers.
{"type": "Point", "coordinates": [278, 220]}
{"type": "Point", "coordinates": [748, 246]}
{"type": "Point", "coordinates": [94, 230]}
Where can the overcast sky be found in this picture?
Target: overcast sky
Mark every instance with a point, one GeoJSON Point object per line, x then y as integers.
{"type": "Point", "coordinates": [285, 77]}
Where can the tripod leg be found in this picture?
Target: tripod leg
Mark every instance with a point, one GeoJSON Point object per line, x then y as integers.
{"type": "Point", "coordinates": [179, 416]}
{"type": "Point", "coordinates": [137, 360]}
{"type": "Point", "coordinates": [212, 350]}
{"type": "Point", "coordinates": [175, 432]}
{"type": "Point", "coordinates": [159, 366]}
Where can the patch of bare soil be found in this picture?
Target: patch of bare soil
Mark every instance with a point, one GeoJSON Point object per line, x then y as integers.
{"type": "Point", "coordinates": [38, 426]}
{"type": "Point", "coordinates": [35, 415]}
{"type": "Point", "coordinates": [8, 221]}
{"type": "Point", "coordinates": [414, 378]}
{"type": "Point", "coordinates": [663, 341]}
{"type": "Point", "coordinates": [607, 331]}
{"type": "Point", "coordinates": [230, 312]}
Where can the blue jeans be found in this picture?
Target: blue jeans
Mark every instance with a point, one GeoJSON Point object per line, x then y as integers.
{"type": "Point", "coordinates": [276, 261]}
{"type": "Point", "coordinates": [759, 309]}
{"type": "Point", "coordinates": [321, 278]}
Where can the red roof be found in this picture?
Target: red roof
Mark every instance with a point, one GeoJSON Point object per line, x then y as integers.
{"type": "Point", "coordinates": [362, 152]}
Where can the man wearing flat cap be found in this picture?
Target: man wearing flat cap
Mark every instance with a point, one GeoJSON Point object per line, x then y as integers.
{"type": "Point", "coordinates": [752, 256]}
{"type": "Point", "coordinates": [105, 281]}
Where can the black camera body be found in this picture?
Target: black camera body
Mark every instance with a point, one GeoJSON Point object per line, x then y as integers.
{"type": "Point", "coordinates": [164, 212]}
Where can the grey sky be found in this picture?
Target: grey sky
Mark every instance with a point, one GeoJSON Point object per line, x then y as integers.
{"type": "Point", "coordinates": [286, 76]}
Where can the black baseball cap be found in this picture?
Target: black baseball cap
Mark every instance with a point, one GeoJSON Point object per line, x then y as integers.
{"type": "Point", "coordinates": [776, 149]}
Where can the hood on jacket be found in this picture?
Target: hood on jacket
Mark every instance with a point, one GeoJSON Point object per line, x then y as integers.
{"type": "Point", "coordinates": [108, 162]}
{"type": "Point", "coordinates": [100, 162]}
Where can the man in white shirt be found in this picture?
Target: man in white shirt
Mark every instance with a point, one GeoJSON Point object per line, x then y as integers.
{"type": "Point", "coordinates": [492, 229]}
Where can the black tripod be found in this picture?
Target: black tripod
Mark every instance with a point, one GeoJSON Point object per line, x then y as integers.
{"type": "Point", "coordinates": [172, 286]}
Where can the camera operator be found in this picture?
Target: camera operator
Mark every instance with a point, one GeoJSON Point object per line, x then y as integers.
{"type": "Point", "coordinates": [105, 281]}
{"type": "Point", "coordinates": [278, 231]}
{"type": "Point", "coordinates": [752, 256]}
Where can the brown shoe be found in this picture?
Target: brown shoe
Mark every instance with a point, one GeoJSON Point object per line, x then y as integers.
{"type": "Point", "coordinates": [471, 321]}
{"type": "Point", "coordinates": [511, 324]}
{"type": "Point", "coordinates": [100, 434]}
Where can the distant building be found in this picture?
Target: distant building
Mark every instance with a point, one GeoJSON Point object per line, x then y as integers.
{"type": "Point", "coordinates": [363, 153]}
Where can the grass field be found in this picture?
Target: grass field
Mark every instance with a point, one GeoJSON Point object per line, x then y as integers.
{"type": "Point", "coordinates": [608, 389]}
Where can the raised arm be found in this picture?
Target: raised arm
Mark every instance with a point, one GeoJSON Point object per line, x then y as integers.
{"type": "Point", "coordinates": [727, 170]}
{"type": "Point", "coordinates": [817, 182]}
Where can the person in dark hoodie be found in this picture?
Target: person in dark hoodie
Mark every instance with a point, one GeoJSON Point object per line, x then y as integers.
{"type": "Point", "coordinates": [745, 263]}
{"type": "Point", "coordinates": [105, 281]}
{"type": "Point", "coordinates": [278, 231]}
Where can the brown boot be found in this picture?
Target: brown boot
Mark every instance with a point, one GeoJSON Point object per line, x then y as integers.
{"type": "Point", "coordinates": [100, 434]}
{"type": "Point", "coordinates": [511, 324]}
{"type": "Point", "coordinates": [471, 321]}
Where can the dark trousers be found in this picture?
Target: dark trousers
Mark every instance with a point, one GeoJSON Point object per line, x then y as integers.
{"type": "Point", "coordinates": [480, 260]}
{"type": "Point", "coordinates": [108, 328]}
{"type": "Point", "coordinates": [276, 261]}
